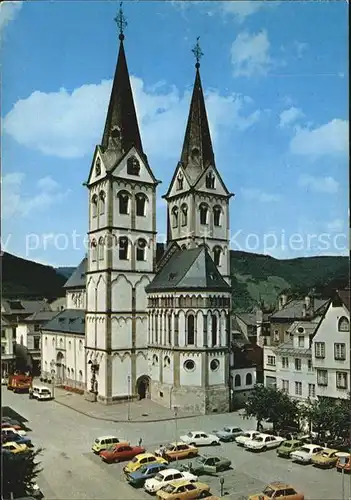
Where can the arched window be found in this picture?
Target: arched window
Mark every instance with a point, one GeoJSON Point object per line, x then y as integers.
{"type": "Point", "coordinates": [133, 166]}
{"type": "Point", "coordinates": [214, 327]}
{"type": "Point", "coordinates": [102, 197]}
{"type": "Point", "coordinates": [81, 345]}
{"type": "Point", "coordinates": [184, 210]}
{"type": "Point", "coordinates": [21, 340]}
{"type": "Point", "coordinates": [237, 381]}
{"type": "Point", "coordinates": [94, 205]}
{"type": "Point", "coordinates": [191, 329]}
{"type": "Point", "coordinates": [203, 213]}
{"type": "Point", "coordinates": [343, 324]}
{"type": "Point", "coordinates": [180, 181]}
{"type": "Point", "coordinates": [217, 251]}
{"type": "Point", "coordinates": [175, 217]}
{"type": "Point", "coordinates": [80, 375]}
{"type": "Point", "coordinates": [123, 248]}
{"type": "Point", "coordinates": [46, 341]}
{"type": "Point", "coordinates": [217, 212]}
{"type": "Point", "coordinates": [69, 345]}
{"type": "Point", "coordinates": [141, 249]}
{"type": "Point", "coordinates": [101, 249]}
{"type": "Point", "coordinates": [72, 373]}
{"type": "Point", "coordinates": [68, 373]}
{"type": "Point", "coordinates": [210, 181]}
{"type": "Point", "coordinates": [123, 200]}
{"type": "Point", "coordinates": [169, 329]}
{"type": "Point", "coordinates": [93, 248]}
{"type": "Point", "coordinates": [140, 201]}
{"type": "Point", "coordinates": [248, 380]}
{"type": "Point", "coordinates": [98, 167]}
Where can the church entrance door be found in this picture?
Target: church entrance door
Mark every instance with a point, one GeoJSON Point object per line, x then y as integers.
{"type": "Point", "coordinates": [143, 387]}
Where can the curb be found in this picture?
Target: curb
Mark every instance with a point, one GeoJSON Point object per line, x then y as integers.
{"type": "Point", "coordinates": [124, 421]}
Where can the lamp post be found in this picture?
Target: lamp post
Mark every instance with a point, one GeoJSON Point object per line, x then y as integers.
{"type": "Point", "coordinates": [175, 408]}
{"type": "Point", "coordinates": [53, 372]}
{"type": "Point", "coordinates": [343, 458]}
{"type": "Point", "coordinates": [129, 380]}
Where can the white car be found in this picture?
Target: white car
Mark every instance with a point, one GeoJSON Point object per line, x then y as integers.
{"type": "Point", "coordinates": [200, 438]}
{"type": "Point", "coordinates": [166, 476]}
{"type": "Point", "coordinates": [263, 442]}
{"type": "Point", "coordinates": [248, 435]}
{"type": "Point", "coordinates": [305, 453]}
{"type": "Point", "coordinates": [12, 430]}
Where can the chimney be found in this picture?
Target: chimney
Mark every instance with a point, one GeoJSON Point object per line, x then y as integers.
{"type": "Point", "coordinates": [259, 321]}
{"type": "Point", "coordinates": [304, 311]}
{"type": "Point", "coordinates": [283, 299]}
{"type": "Point", "coordinates": [307, 301]}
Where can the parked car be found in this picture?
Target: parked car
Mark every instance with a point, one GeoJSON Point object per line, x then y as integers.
{"type": "Point", "coordinates": [175, 451]}
{"type": "Point", "coordinates": [105, 442]}
{"type": "Point", "coordinates": [209, 495]}
{"type": "Point", "coordinates": [142, 459]}
{"type": "Point", "coordinates": [207, 464]}
{"type": "Point", "coordinates": [228, 433]}
{"type": "Point", "coordinates": [12, 430]}
{"type": "Point", "coordinates": [14, 437]}
{"type": "Point", "coordinates": [325, 459]}
{"type": "Point", "coordinates": [14, 447]}
{"type": "Point", "coordinates": [287, 447]}
{"type": "Point", "coordinates": [11, 425]}
{"type": "Point", "coordinates": [343, 462]}
{"type": "Point", "coordinates": [200, 438]}
{"type": "Point", "coordinates": [277, 489]}
{"type": "Point", "coordinates": [120, 452]}
{"type": "Point", "coordinates": [263, 442]}
{"type": "Point", "coordinates": [167, 476]}
{"type": "Point", "coordinates": [182, 490]}
{"type": "Point", "coordinates": [241, 440]}
{"type": "Point", "coordinates": [305, 453]}
{"type": "Point", "coordinates": [138, 478]}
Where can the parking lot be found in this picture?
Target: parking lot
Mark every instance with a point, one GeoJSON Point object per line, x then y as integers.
{"type": "Point", "coordinates": [72, 471]}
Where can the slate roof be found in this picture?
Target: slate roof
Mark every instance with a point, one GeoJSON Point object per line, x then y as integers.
{"type": "Point", "coordinates": [308, 326]}
{"type": "Point", "coordinates": [23, 307]}
{"type": "Point", "coordinates": [68, 321]}
{"type": "Point", "coordinates": [345, 297]}
{"type": "Point", "coordinates": [41, 316]}
{"type": "Point", "coordinates": [78, 277]}
{"type": "Point", "coordinates": [294, 309]}
{"type": "Point", "coordinates": [191, 269]}
{"type": "Point", "coordinates": [289, 349]}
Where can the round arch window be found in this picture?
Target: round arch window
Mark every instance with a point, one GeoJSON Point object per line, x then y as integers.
{"type": "Point", "coordinates": [189, 365]}
{"type": "Point", "coordinates": [300, 329]}
{"type": "Point", "coordinates": [214, 365]}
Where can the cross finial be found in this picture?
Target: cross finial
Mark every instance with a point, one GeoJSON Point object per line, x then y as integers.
{"type": "Point", "coordinates": [121, 22]}
{"type": "Point", "coordinates": [197, 53]}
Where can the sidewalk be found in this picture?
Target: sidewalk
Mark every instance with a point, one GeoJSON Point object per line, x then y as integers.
{"type": "Point", "coordinates": [138, 411]}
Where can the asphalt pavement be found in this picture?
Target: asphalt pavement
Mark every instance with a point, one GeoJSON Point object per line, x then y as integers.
{"type": "Point", "coordinates": [71, 471]}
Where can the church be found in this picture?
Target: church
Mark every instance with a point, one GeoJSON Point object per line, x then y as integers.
{"type": "Point", "coordinates": [157, 328]}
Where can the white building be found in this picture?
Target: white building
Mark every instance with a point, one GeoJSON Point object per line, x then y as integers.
{"type": "Point", "coordinates": [63, 337]}
{"type": "Point", "coordinates": [295, 374]}
{"type": "Point", "coordinates": [8, 336]}
{"type": "Point", "coordinates": [331, 349]}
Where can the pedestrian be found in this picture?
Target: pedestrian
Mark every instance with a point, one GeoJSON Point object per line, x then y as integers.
{"type": "Point", "coordinates": [140, 441]}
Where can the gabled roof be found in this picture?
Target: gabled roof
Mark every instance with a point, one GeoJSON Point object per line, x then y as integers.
{"type": "Point", "coordinates": [294, 309]}
{"type": "Point", "coordinates": [344, 296]}
{"type": "Point", "coordinates": [121, 114]}
{"type": "Point", "coordinates": [78, 277]}
{"type": "Point", "coordinates": [191, 269]}
{"type": "Point", "coordinates": [68, 321]}
{"type": "Point", "coordinates": [23, 307]}
{"type": "Point", "coordinates": [40, 316]}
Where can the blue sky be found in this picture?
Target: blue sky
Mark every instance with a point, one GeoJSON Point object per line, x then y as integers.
{"type": "Point", "coordinates": [275, 78]}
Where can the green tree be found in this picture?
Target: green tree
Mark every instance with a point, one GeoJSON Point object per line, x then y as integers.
{"type": "Point", "coordinates": [19, 472]}
{"type": "Point", "coordinates": [327, 414]}
{"type": "Point", "coordinates": [269, 403]}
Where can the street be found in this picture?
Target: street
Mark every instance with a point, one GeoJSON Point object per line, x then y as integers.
{"type": "Point", "coordinates": [72, 471]}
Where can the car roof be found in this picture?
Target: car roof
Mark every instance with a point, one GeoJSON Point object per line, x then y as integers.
{"type": "Point", "coordinates": [144, 455]}
{"type": "Point", "coordinates": [292, 441]}
{"type": "Point", "coordinates": [11, 443]}
{"type": "Point", "coordinates": [100, 438]}
{"type": "Point", "coordinates": [279, 484]}
{"type": "Point", "coordinates": [262, 434]}
{"type": "Point", "coordinates": [172, 471]}
{"type": "Point", "coordinates": [311, 445]}
{"type": "Point", "coordinates": [213, 456]}
{"type": "Point", "coordinates": [176, 443]}
{"type": "Point", "coordinates": [330, 450]}
{"type": "Point", "coordinates": [180, 482]}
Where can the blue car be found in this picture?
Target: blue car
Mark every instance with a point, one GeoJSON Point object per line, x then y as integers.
{"type": "Point", "coordinates": [12, 436]}
{"type": "Point", "coordinates": [138, 478]}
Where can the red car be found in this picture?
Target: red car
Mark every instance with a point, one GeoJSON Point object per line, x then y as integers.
{"type": "Point", "coordinates": [121, 452]}
{"type": "Point", "coordinates": [7, 425]}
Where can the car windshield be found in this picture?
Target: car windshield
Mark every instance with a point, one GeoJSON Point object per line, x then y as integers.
{"type": "Point", "coordinates": [169, 446]}
{"type": "Point", "coordinates": [268, 491]}
{"type": "Point", "coordinates": [190, 434]}
{"type": "Point", "coordinates": [169, 488]}
{"type": "Point", "coordinates": [159, 477]}
{"type": "Point", "coordinates": [258, 438]}
{"type": "Point", "coordinates": [325, 454]}
{"type": "Point", "coordinates": [305, 450]}
{"type": "Point", "coordinates": [135, 460]}
{"type": "Point", "coordinates": [45, 391]}
{"type": "Point", "coordinates": [247, 435]}
{"type": "Point", "coordinates": [201, 459]}
{"type": "Point", "coordinates": [97, 440]}
{"type": "Point", "coordinates": [227, 429]}
{"type": "Point", "coordinates": [287, 445]}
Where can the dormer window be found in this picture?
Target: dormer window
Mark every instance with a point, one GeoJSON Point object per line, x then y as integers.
{"type": "Point", "coordinates": [175, 217]}
{"type": "Point", "coordinates": [210, 180]}
{"type": "Point", "coordinates": [195, 153]}
{"type": "Point", "coordinates": [180, 181]}
{"type": "Point", "coordinates": [133, 166]}
{"type": "Point", "coordinates": [217, 212]}
{"type": "Point", "coordinates": [184, 210]}
{"type": "Point", "coordinates": [98, 167]}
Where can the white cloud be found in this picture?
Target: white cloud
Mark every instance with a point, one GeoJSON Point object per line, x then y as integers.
{"type": "Point", "coordinates": [258, 195]}
{"type": "Point", "coordinates": [69, 125]}
{"type": "Point", "coordinates": [250, 54]}
{"type": "Point", "coordinates": [336, 225]}
{"type": "Point", "coordinates": [8, 11]}
{"type": "Point", "coordinates": [327, 139]}
{"type": "Point", "coordinates": [301, 48]}
{"type": "Point", "coordinates": [289, 116]}
{"type": "Point", "coordinates": [319, 184]}
{"type": "Point", "coordinates": [16, 203]}
{"type": "Point", "coordinates": [244, 8]}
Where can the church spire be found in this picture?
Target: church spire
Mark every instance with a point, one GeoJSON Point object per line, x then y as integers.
{"type": "Point", "coordinates": [121, 127]}
{"type": "Point", "coordinates": [197, 152]}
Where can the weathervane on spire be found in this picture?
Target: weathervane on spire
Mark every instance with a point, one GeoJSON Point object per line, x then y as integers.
{"type": "Point", "coordinates": [197, 53]}
{"type": "Point", "coordinates": [121, 22]}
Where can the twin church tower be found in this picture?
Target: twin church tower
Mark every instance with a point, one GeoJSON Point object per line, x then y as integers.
{"type": "Point", "coordinates": [157, 328]}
